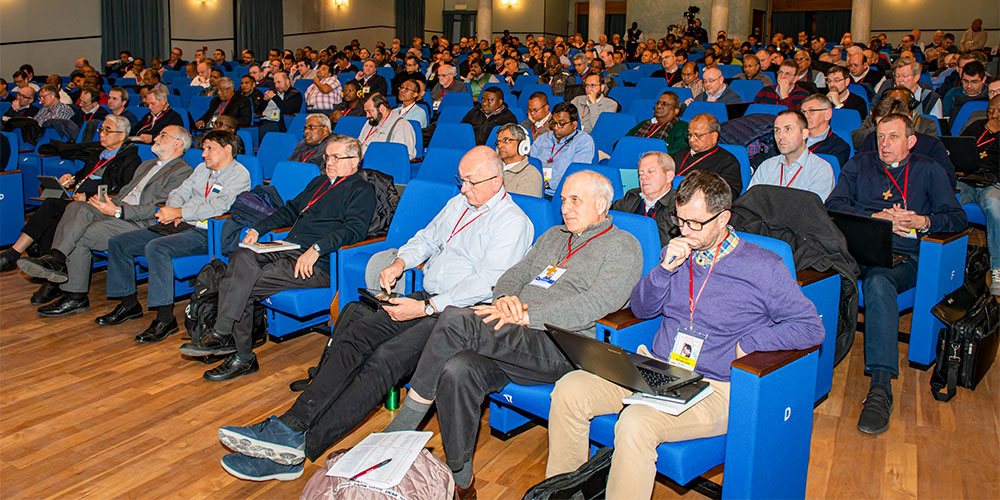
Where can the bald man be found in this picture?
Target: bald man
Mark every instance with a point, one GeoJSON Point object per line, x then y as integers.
{"type": "Point", "coordinates": [716, 90]}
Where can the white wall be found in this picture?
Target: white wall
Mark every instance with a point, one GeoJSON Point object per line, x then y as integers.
{"type": "Point", "coordinates": [897, 17]}
{"type": "Point", "coordinates": [376, 18]}
{"type": "Point", "coordinates": [24, 20]}
{"type": "Point", "coordinates": [194, 25]}
{"type": "Point", "coordinates": [654, 16]}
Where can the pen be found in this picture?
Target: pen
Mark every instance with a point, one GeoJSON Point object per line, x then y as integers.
{"type": "Point", "coordinates": [671, 261]}
{"type": "Point", "coordinates": [376, 466]}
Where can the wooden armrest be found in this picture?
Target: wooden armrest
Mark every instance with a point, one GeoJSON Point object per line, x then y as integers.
{"type": "Point", "coordinates": [161, 205]}
{"type": "Point", "coordinates": [221, 217]}
{"type": "Point", "coordinates": [281, 229]}
{"type": "Point", "coordinates": [40, 155]}
{"type": "Point", "coordinates": [369, 241]}
{"type": "Point", "coordinates": [761, 363]}
{"type": "Point", "coordinates": [620, 319]}
{"type": "Point", "coordinates": [36, 198]}
{"type": "Point", "coordinates": [810, 276]}
{"type": "Point", "coordinates": [944, 238]}
{"type": "Point", "coordinates": [10, 172]}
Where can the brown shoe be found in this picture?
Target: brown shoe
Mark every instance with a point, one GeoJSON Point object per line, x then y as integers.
{"type": "Point", "coordinates": [466, 493]}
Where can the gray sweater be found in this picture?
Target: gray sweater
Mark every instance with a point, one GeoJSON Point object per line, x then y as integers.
{"type": "Point", "coordinates": [598, 280]}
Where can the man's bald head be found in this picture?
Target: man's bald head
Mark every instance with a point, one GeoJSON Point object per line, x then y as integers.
{"type": "Point", "coordinates": [480, 175]}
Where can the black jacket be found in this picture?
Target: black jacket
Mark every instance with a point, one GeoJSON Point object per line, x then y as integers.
{"type": "Point", "coordinates": [799, 218]}
{"type": "Point", "coordinates": [117, 172]}
{"type": "Point", "coordinates": [483, 125]}
{"type": "Point", "coordinates": [153, 127]}
{"type": "Point", "coordinates": [238, 107]}
{"type": "Point", "coordinates": [632, 203]}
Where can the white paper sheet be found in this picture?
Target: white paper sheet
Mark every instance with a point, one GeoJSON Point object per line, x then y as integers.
{"type": "Point", "coordinates": [402, 447]}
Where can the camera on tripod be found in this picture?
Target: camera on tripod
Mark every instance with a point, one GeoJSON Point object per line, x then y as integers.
{"type": "Point", "coordinates": [691, 13]}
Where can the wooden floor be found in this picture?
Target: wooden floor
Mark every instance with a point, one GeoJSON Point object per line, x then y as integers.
{"type": "Point", "coordinates": [87, 413]}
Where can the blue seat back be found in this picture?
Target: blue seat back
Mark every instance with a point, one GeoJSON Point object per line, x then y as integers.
{"type": "Point", "coordinates": [625, 96]}
{"type": "Point", "coordinates": [440, 165]}
{"type": "Point", "coordinates": [418, 136]}
{"type": "Point", "coordinates": [538, 210]}
{"type": "Point", "coordinates": [683, 93]}
{"type": "Point", "coordinates": [386, 73]}
{"type": "Point", "coordinates": [648, 69]}
{"type": "Point", "coordinates": [963, 114]}
{"type": "Point", "coordinates": [747, 89]}
{"type": "Point", "coordinates": [609, 128]}
{"type": "Point", "coordinates": [629, 149]}
{"type": "Point", "coordinates": [651, 88]}
{"type": "Point", "coordinates": [145, 152]}
{"type": "Point", "coordinates": [741, 155]}
{"type": "Point", "coordinates": [421, 201]}
{"type": "Point", "coordinates": [834, 164]}
{"type": "Point", "coordinates": [390, 158]}
{"type": "Point", "coordinates": [454, 136]}
{"type": "Point", "coordinates": [291, 177]}
{"type": "Point", "coordinates": [350, 125]}
{"type": "Point", "coordinates": [452, 113]}
{"type": "Point", "coordinates": [461, 99]}
{"type": "Point", "coordinates": [765, 109]}
{"type": "Point", "coordinates": [860, 91]}
{"type": "Point", "coordinates": [775, 245]}
{"type": "Point", "coordinates": [252, 165]}
{"type": "Point", "coordinates": [303, 84]}
{"type": "Point", "coordinates": [531, 88]}
{"type": "Point", "coordinates": [13, 143]}
{"type": "Point", "coordinates": [193, 157]}
{"type": "Point", "coordinates": [298, 125]}
{"type": "Point", "coordinates": [275, 147]}
{"type": "Point", "coordinates": [716, 109]}
{"type": "Point", "coordinates": [645, 230]}
{"type": "Point", "coordinates": [611, 173]}
{"type": "Point", "coordinates": [244, 135]}
{"type": "Point", "coordinates": [198, 105]}
{"type": "Point", "coordinates": [629, 76]}
{"type": "Point", "coordinates": [845, 119]}
{"type": "Point", "coordinates": [642, 109]}
{"type": "Point", "coordinates": [730, 70]}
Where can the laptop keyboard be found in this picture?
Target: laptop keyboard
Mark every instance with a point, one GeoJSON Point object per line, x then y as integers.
{"type": "Point", "coordinates": [655, 379]}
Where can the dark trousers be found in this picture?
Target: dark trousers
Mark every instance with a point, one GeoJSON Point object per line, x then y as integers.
{"type": "Point", "coordinates": [465, 360]}
{"type": "Point", "coordinates": [41, 227]}
{"type": "Point", "coordinates": [159, 251]}
{"type": "Point", "coordinates": [364, 364]}
{"type": "Point", "coordinates": [251, 277]}
{"type": "Point", "coordinates": [881, 287]}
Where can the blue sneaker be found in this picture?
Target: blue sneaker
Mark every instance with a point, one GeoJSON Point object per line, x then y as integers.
{"type": "Point", "coordinates": [270, 439]}
{"type": "Point", "coordinates": [259, 469]}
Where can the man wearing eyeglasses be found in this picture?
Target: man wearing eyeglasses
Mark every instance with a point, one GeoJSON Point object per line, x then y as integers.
{"type": "Point", "coordinates": [561, 145]}
{"type": "Point", "coordinates": [788, 92]}
{"type": "Point", "coordinates": [88, 226]}
{"type": "Point", "coordinates": [744, 300]}
{"type": "Point", "coordinates": [385, 125]}
{"type": "Point", "coordinates": [973, 88]}
{"type": "Point", "coordinates": [477, 236]}
{"type": "Point", "coordinates": [838, 78]}
{"type": "Point", "coordinates": [334, 209]}
{"type": "Point", "coordinates": [310, 149]}
{"type": "Point", "coordinates": [665, 124]}
{"type": "Point", "coordinates": [704, 153]}
{"type": "Point", "coordinates": [411, 71]}
{"type": "Point", "coordinates": [227, 102]}
{"type": "Point", "coordinates": [519, 176]}
{"type": "Point", "coordinates": [411, 91]}
{"type": "Point", "coordinates": [537, 122]}
{"type": "Point", "coordinates": [160, 115]}
{"type": "Point", "coordinates": [594, 102]}
{"type": "Point", "coordinates": [52, 108]}
{"type": "Point", "coordinates": [23, 106]}
{"type": "Point", "coordinates": [716, 90]}
{"type": "Point", "coordinates": [818, 110]}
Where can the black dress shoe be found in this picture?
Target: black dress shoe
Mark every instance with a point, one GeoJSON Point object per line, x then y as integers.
{"type": "Point", "coordinates": [120, 314]}
{"type": "Point", "coordinates": [65, 305]}
{"type": "Point", "coordinates": [157, 331]}
{"type": "Point", "coordinates": [232, 368]}
{"type": "Point", "coordinates": [8, 260]}
{"type": "Point", "coordinates": [210, 344]}
{"type": "Point", "coordinates": [47, 293]}
{"type": "Point", "coordinates": [45, 267]}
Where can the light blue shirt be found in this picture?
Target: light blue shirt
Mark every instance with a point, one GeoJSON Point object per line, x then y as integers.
{"type": "Point", "coordinates": [467, 249]}
{"type": "Point", "coordinates": [812, 141]}
{"type": "Point", "coordinates": [415, 112]}
{"type": "Point", "coordinates": [209, 193]}
{"type": "Point", "coordinates": [809, 173]}
{"type": "Point", "coordinates": [556, 155]}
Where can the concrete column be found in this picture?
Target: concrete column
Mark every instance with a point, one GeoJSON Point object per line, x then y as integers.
{"type": "Point", "coordinates": [861, 21]}
{"type": "Point", "coordinates": [720, 19]}
{"type": "Point", "coordinates": [596, 16]}
{"type": "Point", "coordinates": [484, 21]}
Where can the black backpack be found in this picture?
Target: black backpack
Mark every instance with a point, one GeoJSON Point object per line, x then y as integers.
{"type": "Point", "coordinates": [588, 482]}
{"type": "Point", "coordinates": [200, 313]}
{"type": "Point", "coordinates": [386, 199]}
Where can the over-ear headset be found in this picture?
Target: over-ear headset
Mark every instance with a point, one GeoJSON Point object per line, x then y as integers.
{"type": "Point", "coordinates": [524, 147]}
{"type": "Point", "coordinates": [914, 102]}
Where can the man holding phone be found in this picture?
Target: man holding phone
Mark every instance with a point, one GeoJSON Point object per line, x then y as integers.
{"type": "Point", "coordinates": [475, 238]}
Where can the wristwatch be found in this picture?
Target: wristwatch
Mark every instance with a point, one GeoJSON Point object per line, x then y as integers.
{"type": "Point", "coordinates": [428, 307]}
{"type": "Point", "coordinates": [118, 213]}
{"type": "Point", "coordinates": [315, 247]}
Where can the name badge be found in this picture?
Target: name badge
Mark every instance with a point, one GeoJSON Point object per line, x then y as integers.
{"type": "Point", "coordinates": [217, 188]}
{"type": "Point", "coordinates": [548, 277]}
{"type": "Point", "coordinates": [366, 90]}
{"type": "Point", "coordinates": [201, 224]}
{"type": "Point", "coordinates": [911, 234]}
{"type": "Point", "coordinates": [547, 173]}
{"type": "Point", "coordinates": [687, 348]}
{"type": "Point", "coordinates": [437, 104]}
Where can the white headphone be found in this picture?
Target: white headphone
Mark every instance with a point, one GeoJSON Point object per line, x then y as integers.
{"type": "Point", "coordinates": [524, 147]}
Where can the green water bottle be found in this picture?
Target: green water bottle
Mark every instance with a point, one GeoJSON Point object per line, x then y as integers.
{"type": "Point", "coordinates": [392, 399]}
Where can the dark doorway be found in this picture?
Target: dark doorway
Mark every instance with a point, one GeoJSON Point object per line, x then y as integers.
{"type": "Point", "coordinates": [459, 23]}
{"type": "Point", "coordinates": [757, 23]}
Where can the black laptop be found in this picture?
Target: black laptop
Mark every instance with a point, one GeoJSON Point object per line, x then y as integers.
{"type": "Point", "coordinates": [961, 152]}
{"type": "Point", "coordinates": [869, 240]}
{"type": "Point", "coordinates": [51, 188]}
{"type": "Point", "coordinates": [635, 371]}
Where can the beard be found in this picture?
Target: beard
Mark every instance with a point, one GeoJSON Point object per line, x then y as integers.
{"type": "Point", "coordinates": [375, 121]}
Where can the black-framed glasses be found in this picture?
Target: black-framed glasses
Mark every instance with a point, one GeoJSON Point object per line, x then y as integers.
{"type": "Point", "coordinates": [327, 157]}
{"type": "Point", "coordinates": [314, 127]}
{"type": "Point", "coordinates": [106, 130]}
{"type": "Point", "coordinates": [461, 182]}
{"type": "Point", "coordinates": [505, 140]}
{"type": "Point", "coordinates": [692, 224]}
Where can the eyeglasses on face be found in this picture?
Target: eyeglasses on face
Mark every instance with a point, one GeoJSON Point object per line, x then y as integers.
{"type": "Point", "coordinates": [554, 123]}
{"type": "Point", "coordinates": [505, 140]}
{"type": "Point", "coordinates": [106, 130]}
{"type": "Point", "coordinates": [697, 136]}
{"type": "Point", "coordinates": [461, 182]}
{"type": "Point", "coordinates": [692, 224]}
{"type": "Point", "coordinates": [314, 127]}
{"type": "Point", "coordinates": [336, 158]}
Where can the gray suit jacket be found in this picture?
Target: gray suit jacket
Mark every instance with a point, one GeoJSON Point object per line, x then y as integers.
{"type": "Point", "coordinates": [156, 190]}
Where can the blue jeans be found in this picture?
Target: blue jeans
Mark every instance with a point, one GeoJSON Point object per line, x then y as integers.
{"type": "Point", "coordinates": [988, 198]}
{"type": "Point", "coordinates": [881, 287]}
{"type": "Point", "coordinates": [159, 250]}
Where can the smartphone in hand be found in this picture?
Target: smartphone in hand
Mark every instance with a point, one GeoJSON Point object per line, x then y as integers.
{"type": "Point", "coordinates": [102, 192]}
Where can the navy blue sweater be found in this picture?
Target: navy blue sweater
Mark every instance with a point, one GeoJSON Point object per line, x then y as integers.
{"type": "Point", "coordinates": [927, 145]}
{"type": "Point", "coordinates": [863, 181]}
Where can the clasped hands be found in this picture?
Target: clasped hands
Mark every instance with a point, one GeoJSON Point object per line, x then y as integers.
{"type": "Point", "coordinates": [505, 310]}
{"type": "Point", "coordinates": [902, 220]}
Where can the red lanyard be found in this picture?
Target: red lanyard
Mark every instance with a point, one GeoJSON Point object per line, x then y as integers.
{"type": "Point", "coordinates": [222, 108]}
{"type": "Point", "coordinates": [96, 168]}
{"type": "Point", "coordinates": [305, 157]}
{"type": "Point", "coordinates": [365, 80]}
{"type": "Point", "coordinates": [980, 143]}
{"type": "Point", "coordinates": [692, 299]}
{"type": "Point", "coordinates": [349, 110]}
{"type": "Point", "coordinates": [409, 108]}
{"type": "Point", "coordinates": [553, 152]}
{"type": "Point", "coordinates": [655, 130]}
{"type": "Point", "coordinates": [570, 250]}
{"type": "Point", "coordinates": [317, 195]}
{"type": "Point", "coordinates": [374, 129]}
{"type": "Point", "coordinates": [154, 118]}
{"type": "Point", "coordinates": [781, 178]}
{"type": "Point", "coordinates": [445, 91]}
{"type": "Point", "coordinates": [455, 230]}
{"type": "Point", "coordinates": [87, 118]}
{"type": "Point", "coordinates": [208, 188]}
{"type": "Point", "coordinates": [536, 129]}
{"type": "Point", "coordinates": [906, 181]}
{"type": "Point", "coordinates": [689, 167]}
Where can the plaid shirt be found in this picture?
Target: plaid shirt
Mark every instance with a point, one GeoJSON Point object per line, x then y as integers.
{"type": "Point", "coordinates": [704, 257]}
{"type": "Point", "coordinates": [318, 100]}
{"type": "Point", "coordinates": [769, 95]}
{"type": "Point", "coordinates": [58, 111]}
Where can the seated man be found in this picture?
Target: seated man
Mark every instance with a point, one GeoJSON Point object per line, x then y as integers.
{"type": "Point", "coordinates": [87, 226]}
{"type": "Point", "coordinates": [303, 71]}
{"type": "Point", "coordinates": [907, 75]}
{"type": "Point", "coordinates": [594, 102]}
{"type": "Point", "coordinates": [918, 199]}
{"type": "Point", "coordinates": [538, 113]}
{"type": "Point", "coordinates": [114, 167]}
{"type": "Point", "coordinates": [475, 351]}
{"type": "Point", "coordinates": [752, 71]}
{"type": "Point", "coordinates": [690, 80]}
{"type": "Point", "coordinates": [411, 71]}
{"type": "Point", "coordinates": [23, 106]}
{"type": "Point", "coordinates": [665, 124]}
{"type": "Point", "coordinates": [477, 78]}
{"type": "Point", "coordinates": [654, 197]}
{"type": "Point", "coordinates": [461, 263]}
{"type": "Point", "coordinates": [670, 72]}
{"type": "Point", "coordinates": [561, 145]}
{"type": "Point", "coordinates": [787, 92]}
{"type": "Point", "coordinates": [324, 93]}
{"type": "Point", "coordinates": [90, 106]}
{"type": "Point", "coordinates": [254, 95]}
{"type": "Point", "coordinates": [837, 80]}
{"type": "Point", "coordinates": [202, 79]}
{"type": "Point", "coordinates": [351, 105]}
{"type": "Point", "coordinates": [555, 76]}
{"type": "Point", "coordinates": [447, 81]}
{"type": "Point", "coordinates": [973, 87]}
{"type": "Point", "coordinates": [716, 90]}
{"type": "Point", "coordinates": [52, 108]}
{"type": "Point", "coordinates": [490, 112]}
{"type": "Point", "coordinates": [519, 176]}
{"type": "Point", "coordinates": [228, 124]}
{"type": "Point", "coordinates": [818, 111]}
{"type": "Point", "coordinates": [807, 77]}
{"type": "Point", "coordinates": [371, 82]}
{"type": "Point", "coordinates": [337, 219]}
{"type": "Point", "coordinates": [984, 188]}
{"type": "Point", "coordinates": [385, 125]}
{"type": "Point", "coordinates": [310, 149]}
{"type": "Point", "coordinates": [704, 153]}
{"type": "Point", "coordinates": [927, 145]}
{"type": "Point", "coordinates": [227, 102]}
{"type": "Point", "coordinates": [213, 80]}
{"type": "Point", "coordinates": [796, 167]}
{"type": "Point", "coordinates": [753, 305]}
{"type": "Point", "coordinates": [207, 192]}
{"type": "Point", "coordinates": [411, 91]}
{"type": "Point", "coordinates": [118, 104]}
{"type": "Point", "coordinates": [283, 100]}
{"type": "Point", "coordinates": [160, 115]}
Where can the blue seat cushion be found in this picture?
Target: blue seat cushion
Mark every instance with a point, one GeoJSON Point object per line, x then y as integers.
{"type": "Point", "coordinates": [533, 399]}
{"type": "Point", "coordinates": [300, 303]}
